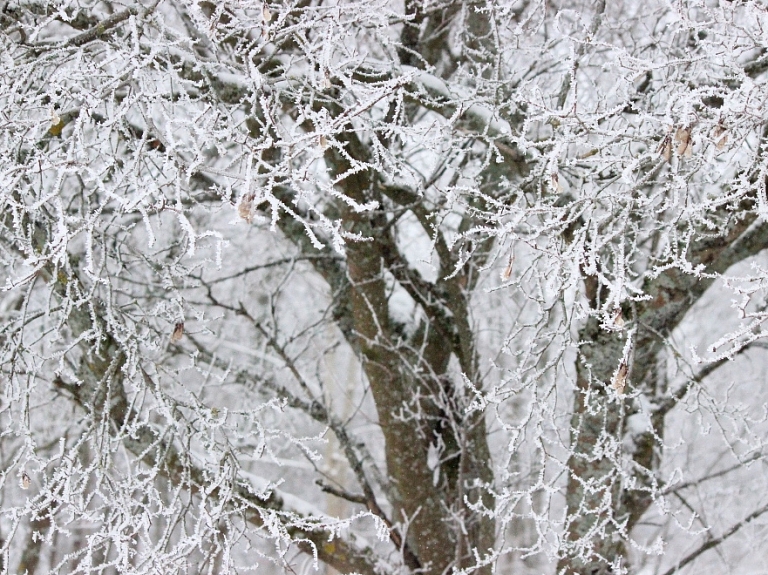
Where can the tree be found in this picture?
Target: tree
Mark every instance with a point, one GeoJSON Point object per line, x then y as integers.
{"type": "Point", "coordinates": [398, 288]}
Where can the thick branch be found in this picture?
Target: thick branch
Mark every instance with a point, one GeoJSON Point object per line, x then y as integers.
{"type": "Point", "coordinates": [98, 30]}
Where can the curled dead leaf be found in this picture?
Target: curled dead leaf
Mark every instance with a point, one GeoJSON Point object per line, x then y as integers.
{"type": "Point", "coordinates": [618, 318]}
{"type": "Point", "coordinates": [507, 273]}
{"type": "Point", "coordinates": [620, 377]}
{"type": "Point", "coordinates": [665, 148]}
{"type": "Point", "coordinates": [245, 209]}
{"type": "Point", "coordinates": [556, 186]}
{"type": "Point", "coordinates": [24, 481]}
{"type": "Point", "coordinates": [178, 332]}
{"type": "Point", "coordinates": [721, 136]}
{"type": "Point", "coordinates": [684, 141]}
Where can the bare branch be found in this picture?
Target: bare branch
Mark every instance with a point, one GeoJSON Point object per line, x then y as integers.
{"type": "Point", "coordinates": [717, 540]}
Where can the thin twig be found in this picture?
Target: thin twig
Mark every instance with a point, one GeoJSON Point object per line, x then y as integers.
{"type": "Point", "coordinates": [318, 412]}
{"type": "Point", "coordinates": [274, 263]}
{"type": "Point", "coordinates": [717, 541]}
{"type": "Point", "coordinates": [341, 493]}
{"type": "Point", "coordinates": [670, 402]}
{"type": "Point", "coordinates": [674, 488]}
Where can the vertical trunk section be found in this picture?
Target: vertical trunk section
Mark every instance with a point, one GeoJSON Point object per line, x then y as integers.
{"type": "Point", "coordinates": [594, 483]}
{"type": "Point", "coordinates": [393, 389]}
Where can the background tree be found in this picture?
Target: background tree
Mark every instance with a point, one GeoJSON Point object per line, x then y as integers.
{"type": "Point", "coordinates": [428, 287]}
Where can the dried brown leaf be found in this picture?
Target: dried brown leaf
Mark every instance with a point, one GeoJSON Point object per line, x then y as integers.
{"type": "Point", "coordinates": [620, 377]}
{"type": "Point", "coordinates": [507, 273]}
{"type": "Point", "coordinates": [665, 148]}
{"type": "Point", "coordinates": [178, 332]}
{"type": "Point", "coordinates": [245, 209]}
{"type": "Point", "coordinates": [556, 183]}
{"type": "Point", "coordinates": [684, 141]}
